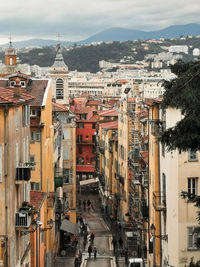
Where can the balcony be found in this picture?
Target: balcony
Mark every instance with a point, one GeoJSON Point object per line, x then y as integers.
{"type": "Point", "coordinates": [23, 220]}
{"type": "Point", "coordinates": [23, 174]}
{"type": "Point", "coordinates": [159, 201]}
{"type": "Point", "coordinates": [85, 142]}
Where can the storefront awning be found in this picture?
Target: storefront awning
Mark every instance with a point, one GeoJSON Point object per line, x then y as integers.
{"type": "Point", "coordinates": [89, 181]}
{"type": "Point", "coordinates": [85, 168]}
{"type": "Point", "coordinates": [69, 227]}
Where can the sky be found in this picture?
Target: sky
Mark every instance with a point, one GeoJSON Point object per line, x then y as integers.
{"type": "Point", "coordinates": [76, 20]}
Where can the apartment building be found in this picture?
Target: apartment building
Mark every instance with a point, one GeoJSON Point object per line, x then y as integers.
{"type": "Point", "coordinates": [15, 215]}
{"type": "Point", "coordinates": [173, 226]}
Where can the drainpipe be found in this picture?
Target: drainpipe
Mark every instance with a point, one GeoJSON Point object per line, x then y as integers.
{"type": "Point", "coordinates": [159, 188]}
{"type": "Point", "coordinates": [41, 163]}
{"type": "Point", "coordinates": [6, 177]}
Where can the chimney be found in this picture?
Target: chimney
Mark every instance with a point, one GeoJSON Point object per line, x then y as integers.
{"type": "Point", "coordinates": [17, 88]}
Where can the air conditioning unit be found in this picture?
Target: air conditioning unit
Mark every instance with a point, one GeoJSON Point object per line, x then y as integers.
{"type": "Point", "coordinates": [23, 220]}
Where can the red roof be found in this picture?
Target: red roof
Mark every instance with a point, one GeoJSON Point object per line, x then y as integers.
{"type": "Point", "coordinates": [85, 168]}
{"type": "Point", "coordinates": [107, 113]}
{"type": "Point", "coordinates": [93, 102]}
{"type": "Point", "coordinates": [7, 96]}
{"type": "Point", "coordinates": [109, 125]}
{"type": "Point", "coordinates": [37, 198]}
{"type": "Point", "coordinates": [145, 156]}
{"type": "Point", "coordinates": [59, 107]}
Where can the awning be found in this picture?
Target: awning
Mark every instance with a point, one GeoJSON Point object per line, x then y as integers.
{"type": "Point", "coordinates": [69, 227]}
{"type": "Point", "coordinates": [85, 168]}
{"type": "Point", "coordinates": [89, 181]}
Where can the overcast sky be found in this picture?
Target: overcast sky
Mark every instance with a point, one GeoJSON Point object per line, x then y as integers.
{"type": "Point", "coordinates": [78, 19]}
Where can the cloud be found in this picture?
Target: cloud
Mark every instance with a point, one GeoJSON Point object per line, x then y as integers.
{"type": "Point", "coordinates": [78, 19]}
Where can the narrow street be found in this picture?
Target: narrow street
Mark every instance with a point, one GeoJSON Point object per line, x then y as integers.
{"type": "Point", "coordinates": [102, 241]}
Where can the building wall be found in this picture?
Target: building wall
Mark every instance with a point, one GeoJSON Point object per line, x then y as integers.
{"type": "Point", "coordinates": [180, 213]}
{"type": "Point", "coordinates": [12, 195]}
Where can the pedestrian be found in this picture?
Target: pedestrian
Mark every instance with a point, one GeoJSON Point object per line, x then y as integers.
{"type": "Point", "coordinates": [92, 236]}
{"type": "Point", "coordinates": [88, 203]}
{"type": "Point", "coordinates": [120, 241]}
{"type": "Point", "coordinates": [81, 220]}
{"type": "Point", "coordinates": [90, 250]}
{"type": "Point", "coordinates": [114, 243]}
{"type": "Point", "coordinates": [84, 204]}
{"type": "Point", "coordinates": [95, 252]}
{"type": "Point", "coordinates": [84, 243]}
{"type": "Point", "coordinates": [76, 262]}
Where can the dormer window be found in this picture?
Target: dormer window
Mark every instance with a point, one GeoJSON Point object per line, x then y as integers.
{"type": "Point", "coordinates": [23, 84]}
{"type": "Point", "coordinates": [12, 83]}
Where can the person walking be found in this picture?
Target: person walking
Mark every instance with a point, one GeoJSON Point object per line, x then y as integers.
{"type": "Point", "coordinates": [84, 204]}
{"type": "Point", "coordinates": [95, 252]}
{"type": "Point", "coordinates": [92, 236]}
{"type": "Point", "coordinates": [90, 250]}
{"type": "Point", "coordinates": [76, 262]}
{"type": "Point", "coordinates": [114, 243]}
{"type": "Point", "coordinates": [120, 241]}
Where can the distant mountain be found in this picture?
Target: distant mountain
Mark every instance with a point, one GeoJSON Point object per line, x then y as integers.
{"type": "Point", "coordinates": [36, 43]}
{"type": "Point", "coordinates": [119, 34]}
{"type": "Point", "coordinates": [122, 35]}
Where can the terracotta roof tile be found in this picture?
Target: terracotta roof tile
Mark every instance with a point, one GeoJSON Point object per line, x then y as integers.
{"type": "Point", "coordinates": [7, 96]}
{"type": "Point", "coordinates": [59, 107]}
{"type": "Point", "coordinates": [37, 198]}
{"type": "Point", "coordinates": [109, 125]}
{"type": "Point", "coordinates": [107, 113]}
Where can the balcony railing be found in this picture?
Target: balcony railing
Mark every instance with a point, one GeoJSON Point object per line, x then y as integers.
{"type": "Point", "coordinates": [159, 201]}
{"type": "Point", "coordinates": [23, 220]}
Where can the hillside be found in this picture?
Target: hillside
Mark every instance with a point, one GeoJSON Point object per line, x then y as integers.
{"type": "Point", "coordinates": [86, 58]}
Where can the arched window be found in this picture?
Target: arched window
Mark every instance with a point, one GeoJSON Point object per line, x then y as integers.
{"type": "Point", "coordinates": [59, 89]}
{"type": "Point", "coordinates": [10, 61]}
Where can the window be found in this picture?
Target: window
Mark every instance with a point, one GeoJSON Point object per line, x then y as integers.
{"type": "Point", "coordinates": [81, 125]}
{"type": "Point", "coordinates": [83, 116]}
{"type": "Point", "coordinates": [192, 155]}
{"type": "Point", "coordinates": [79, 138]}
{"type": "Point", "coordinates": [80, 150]}
{"type": "Point", "coordinates": [25, 115]}
{"type": "Point", "coordinates": [23, 84]}
{"type": "Point", "coordinates": [35, 136]}
{"type": "Point", "coordinates": [93, 126]}
{"type": "Point", "coordinates": [33, 113]}
{"type": "Point", "coordinates": [193, 238]}
{"type": "Point", "coordinates": [192, 187]}
{"type": "Point", "coordinates": [12, 83]}
{"type": "Point", "coordinates": [35, 186]}
{"type": "Point", "coordinates": [66, 154]}
{"type": "Point", "coordinates": [59, 89]}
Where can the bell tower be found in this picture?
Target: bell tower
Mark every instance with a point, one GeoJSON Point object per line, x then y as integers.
{"type": "Point", "coordinates": [10, 56]}
{"type": "Point", "coordinates": [59, 76]}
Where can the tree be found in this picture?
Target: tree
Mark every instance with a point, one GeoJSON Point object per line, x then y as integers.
{"type": "Point", "coordinates": [183, 93]}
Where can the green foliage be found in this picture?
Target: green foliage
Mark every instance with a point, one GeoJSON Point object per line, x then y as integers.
{"type": "Point", "coordinates": [183, 93]}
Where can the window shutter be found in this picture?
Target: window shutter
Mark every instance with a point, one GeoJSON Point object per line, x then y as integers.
{"type": "Point", "coordinates": [1, 160]}
{"type": "Point", "coordinates": [17, 154]}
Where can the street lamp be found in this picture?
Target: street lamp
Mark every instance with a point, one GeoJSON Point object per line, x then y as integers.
{"type": "Point", "coordinates": [153, 231]}
{"type": "Point", "coordinates": [162, 237]}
